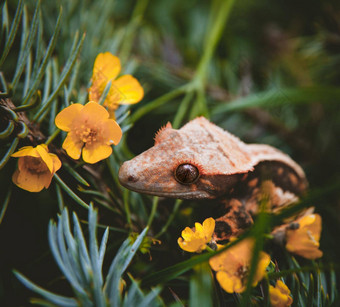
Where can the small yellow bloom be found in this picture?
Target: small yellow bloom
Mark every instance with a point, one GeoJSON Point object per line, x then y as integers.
{"type": "Point", "coordinates": [124, 90]}
{"type": "Point", "coordinates": [36, 167]}
{"type": "Point", "coordinates": [280, 295]}
{"type": "Point", "coordinates": [304, 241]}
{"type": "Point", "coordinates": [233, 265]}
{"type": "Point", "coordinates": [90, 131]}
{"type": "Point", "coordinates": [196, 240]}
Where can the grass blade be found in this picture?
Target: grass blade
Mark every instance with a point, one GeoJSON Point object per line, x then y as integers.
{"type": "Point", "coordinates": [44, 62]}
{"type": "Point", "coordinates": [119, 265]}
{"type": "Point", "coordinates": [13, 31]}
{"type": "Point", "coordinates": [56, 299]}
{"type": "Point", "coordinates": [279, 97]}
{"type": "Point", "coordinates": [74, 196]}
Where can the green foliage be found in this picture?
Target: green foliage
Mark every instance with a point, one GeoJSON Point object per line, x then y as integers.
{"type": "Point", "coordinates": [264, 71]}
{"type": "Point", "coordinates": [82, 267]}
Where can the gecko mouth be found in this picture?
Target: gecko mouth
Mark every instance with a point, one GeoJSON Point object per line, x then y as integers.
{"type": "Point", "coordinates": [172, 194]}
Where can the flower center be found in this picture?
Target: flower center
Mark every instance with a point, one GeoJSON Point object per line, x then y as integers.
{"type": "Point", "coordinates": [242, 273]}
{"type": "Point", "coordinates": [87, 135]}
{"type": "Point", "coordinates": [35, 165]}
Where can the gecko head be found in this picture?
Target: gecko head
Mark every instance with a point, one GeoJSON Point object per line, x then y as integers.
{"type": "Point", "coordinates": [184, 163]}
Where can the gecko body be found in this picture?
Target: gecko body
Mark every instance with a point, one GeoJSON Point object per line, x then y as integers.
{"type": "Point", "coordinates": [203, 161]}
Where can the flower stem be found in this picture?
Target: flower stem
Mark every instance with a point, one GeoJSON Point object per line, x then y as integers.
{"type": "Point", "coordinates": [52, 136]}
{"type": "Point", "coordinates": [213, 36]}
{"type": "Point", "coordinates": [182, 110]}
{"type": "Point", "coordinates": [131, 29]}
{"type": "Point", "coordinates": [157, 103]}
{"type": "Point", "coordinates": [220, 11]}
{"type": "Point", "coordinates": [153, 210]}
{"type": "Point", "coordinates": [127, 207]}
{"type": "Point", "coordinates": [170, 219]}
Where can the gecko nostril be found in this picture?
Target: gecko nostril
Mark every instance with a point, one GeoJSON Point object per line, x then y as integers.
{"type": "Point", "coordinates": [132, 178]}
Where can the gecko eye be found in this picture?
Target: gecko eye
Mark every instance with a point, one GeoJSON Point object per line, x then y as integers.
{"type": "Point", "coordinates": [186, 173]}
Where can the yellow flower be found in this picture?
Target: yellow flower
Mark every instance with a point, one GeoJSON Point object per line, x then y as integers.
{"type": "Point", "coordinates": [304, 241]}
{"type": "Point", "coordinates": [36, 167]}
{"type": "Point", "coordinates": [124, 90]}
{"type": "Point", "coordinates": [280, 295]}
{"type": "Point", "coordinates": [196, 240]}
{"type": "Point", "coordinates": [90, 131]}
{"type": "Point", "coordinates": [233, 265]}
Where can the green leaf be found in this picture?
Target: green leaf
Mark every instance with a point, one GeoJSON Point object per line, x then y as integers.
{"type": "Point", "coordinates": [26, 44]}
{"type": "Point", "coordinates": [61, 301]}
{"type": "Point", "coordinates": [64, 75]}
{"type": "Point", "coordinates": [201, 286]}
{"type": "Point", "coordinates": [13, 30]}
{"type": "Point", "coordinates": [59, 252]}
{"type": "Point", "coordinates": [5, 21]}
{"type": "Point", "coordinates": [74, 174]}
{"type": "Point", "coordinates": [10, 150]}
{"type": "Point", "coordinates": [70, 192]}
{"type": "Point", "coordinates": [119, 265]}
{"type": "Point", "coordinates": [95, 261]}
{"type": "Point", "coordinates": [172, 272]}
{"type": "Point", "coordinates": [281, 96]}
{"type": "Point", "coordinates": [5, 204]}
{"type": "Point", "coordinates": [7, 131]}
{"type": "Point", "coordinates": [40, 72]}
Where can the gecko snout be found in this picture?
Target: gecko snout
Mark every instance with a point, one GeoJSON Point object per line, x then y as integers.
{"type": "Point", "coordinates": [126, 176]}
{"type": "Point", "coordinates": [132, 178]}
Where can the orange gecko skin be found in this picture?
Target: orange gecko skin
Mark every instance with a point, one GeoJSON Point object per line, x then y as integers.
{"type": "Point", "coordinates": [203, 161]}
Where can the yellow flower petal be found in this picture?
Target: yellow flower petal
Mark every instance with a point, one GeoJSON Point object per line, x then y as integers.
{"type": "Point", "coordinates": [56, 162]}
{"type": "Point", "coordinates": [26, 151]}
{"type": "Point", "coordinates": [73, 146]}
{"type": "Point", "coordinates": [31, 183]}
{"type": "Point", "coordinates": [95, 92]}
{"type": "Point", "coordinates": [93, 154]}
{"type": "Point", "coordinates": [196, 240]}
{"type": "Point", "coordinates": [129, 89]}
{"type": "Point", "coordinates": [187, 233]}
{"type": "Point", "coordinates": [112, 131]}
{"type": "Point", "coordinates": [36, 167]}
{"type": "Point", "coordinates": [65, 118]}
{"type": "Point", "coordinates": [208, 227]}
{"type": "Point", "coordinates": [106, 66]}
{"type": "Point", "coordinates": [229, 283]}
{"type": "Point", "coordinates": [280, 295]}
{"type": "Point", "coordinates": [92, 132]}
{"type": "Point", "coordinates": [198, 228]}
{"type": "Point", "coordinates": [235, 262]}
{"type": "Point", "coordinates": [264, 260]}
{"type": "Point", "coordinates": [45, 157]}
{"type": "Point", "coordinates": [304, 241]}
{"type": "Point", "coordinates": [192, 246]}
{"type": "Point", "coordinates": [95, 111]}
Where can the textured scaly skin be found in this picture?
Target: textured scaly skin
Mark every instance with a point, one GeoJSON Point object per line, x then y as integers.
{"type": "Point", "coordinates": [232, 172]}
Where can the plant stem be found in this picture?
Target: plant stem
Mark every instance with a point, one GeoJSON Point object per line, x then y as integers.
{"type": "Point", "coordinates": [170, 219]}
{"type": "Point", "coordinates": [52, 136]}
{"type": "Point", "coordinates": [157, 103]}
{"type": "Point", "coordinates": [219, 15]}
{"type": "Point", "coordinates": [74, 196]}
{"type": "Point", "coordinates": [153, 210]}
{"type": "Point", "coordinates": [214, 36]}
{"type": "Point", "coordinates": [127, 207]}
{"type": "Point", "coordinates": [131, 29]}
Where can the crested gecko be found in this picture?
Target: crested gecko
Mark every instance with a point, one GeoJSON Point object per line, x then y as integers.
{"type": "Point", "coordinates": [203, 161]}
